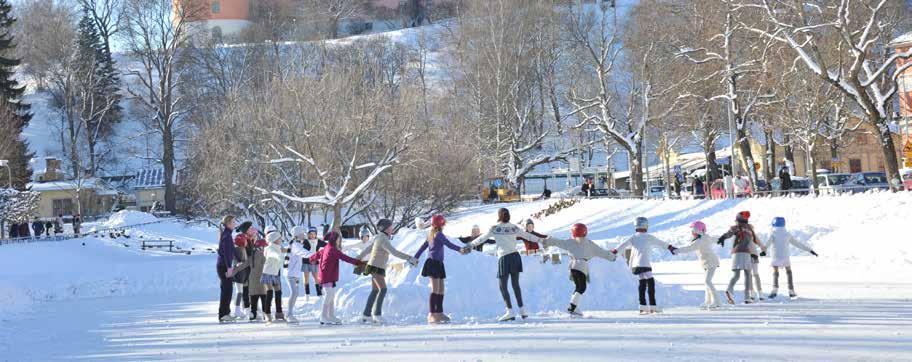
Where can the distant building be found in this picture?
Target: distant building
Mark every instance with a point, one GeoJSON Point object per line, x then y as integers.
{"type": "Point", "coordinates": [61, 196]}
{"type": "Point", "coordinates": [904, 94]}
{"type": "Point", "coordinates": [230, 17]}
{"type": "Point", "coordinates": [148, 188]}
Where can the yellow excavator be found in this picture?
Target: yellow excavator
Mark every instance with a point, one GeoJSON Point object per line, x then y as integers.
{"type": "Point", "coordinates": [499, 190]}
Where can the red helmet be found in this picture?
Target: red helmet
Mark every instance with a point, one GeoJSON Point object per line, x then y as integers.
{"type": "Point", "coordinates": [743, 216]}
{"type": "Point", "coordinates": [579, 230]}
{"type": "Point", "coordinates": [438, 221]}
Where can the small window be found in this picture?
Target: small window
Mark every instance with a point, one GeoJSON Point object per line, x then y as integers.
{"type": "Point", "coordinates": [216, 7]}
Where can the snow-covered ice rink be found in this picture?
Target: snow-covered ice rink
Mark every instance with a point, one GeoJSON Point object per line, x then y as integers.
{"type": "Point", "coordinates": [104, 301]}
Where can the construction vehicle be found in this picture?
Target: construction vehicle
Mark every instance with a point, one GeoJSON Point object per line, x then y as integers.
{"type": "Point", "coordinates": [499, 190]}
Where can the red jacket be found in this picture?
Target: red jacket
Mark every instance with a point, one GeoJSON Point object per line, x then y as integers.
{"type": "Point", "coordinates": [329, 262]}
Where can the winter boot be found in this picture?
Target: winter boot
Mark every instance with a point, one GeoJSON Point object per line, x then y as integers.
{"type": "Point", "coordinates": [522, 313]}
{"type": "Point", "coordinates": [269, 318]}
{"type": "Point", "coordinates": [280, 316]}
{"type": "Point", "coordinates": [644, 310]}
{"type": "Point", "coordinates": [573, 311]}
{"type": "Point", "coordinates": [774, 293]}
{"type": "Point", "coordinates": [508, 316]}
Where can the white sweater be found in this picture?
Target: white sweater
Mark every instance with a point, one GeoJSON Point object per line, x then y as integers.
{"type": "Point", "coordinates": [295, 259]}
{"type": "Point", "coordinates": [504, 235]}
{"type": "Point", "coordinates": [275, 258]}
{"type": "Point", "coordinates": [704, 248]}
{"type": "Point", "coordinates": [780, 241]}
{"type": "Point", "coordinates": [580, 252]}
{"type": "Point", "coordinates": [640, 245]}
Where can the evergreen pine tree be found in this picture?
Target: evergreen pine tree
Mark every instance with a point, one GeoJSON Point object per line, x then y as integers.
{"type": "Point", "coordinates": [11, 94]}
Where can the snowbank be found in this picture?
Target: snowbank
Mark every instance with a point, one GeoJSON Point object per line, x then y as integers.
{"type": "Point", "coordinates": [128, 217]}
{"type": "Point", "coordinates": [860, 229]}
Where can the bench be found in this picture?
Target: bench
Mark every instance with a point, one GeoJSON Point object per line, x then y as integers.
{"type": "Point", "coordinates": [158, 244]}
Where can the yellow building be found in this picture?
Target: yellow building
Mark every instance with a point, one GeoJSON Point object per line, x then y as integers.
{"type": "Point", "coordinates": [87, 197]}
{"type": "Point", "coordinates": [859, 151]}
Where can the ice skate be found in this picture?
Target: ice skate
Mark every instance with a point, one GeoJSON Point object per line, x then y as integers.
{"type": "Point", "coordinates": [644, 310]}
{"type": "Point", "coordinates": [654, 310]}
{"type": "Point", "coordinates": [366, 320]}
{"type": "Point", "coordinates": [280, 317]}
{"type": "Point", "coordinates": [239, 313]}
{"type": "Point", "coordinates": [730, 297]}
{"type": "Point", "coordinates": [226, 319]}
{"type": "Point", "coordinates": [774, 294]}
{"type": "Point", "coordinates": [508, 316]}
{"type": "Point", "coordinates": [269, 318]}
{"type": "Point", "coordinates": [573, 312]}
{"type": "Point", "coordinates": [792, 294]}
{"type": "Point", "coordinates": [522, 313]}
{"type": "Point", "coordinates": [291, 319]}
{"type": "Point", "coordinates": [443, 317]}
{"type": "Point", "coordinates": [378, 320]}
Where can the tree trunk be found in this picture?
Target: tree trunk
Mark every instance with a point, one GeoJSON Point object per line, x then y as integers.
{"type": "Point", "coordinates": [834, 155]}
{"type": "Point", "coordinates": [747, 155]}
{"type": "Point", "coordinates": [812, 160]}
{"type": "Point", "coordinates": [168, 165]}
{"type": "Point", "coordinates": [712, 169]}
{"type": "Point", "coordinates": [891, 162]}
{"type": "Point", "coordinates": [789, 152]}
{"type": "Point", "coordinates": [635, 163]}
{"type": "Point", "coordinates": [770, 169]}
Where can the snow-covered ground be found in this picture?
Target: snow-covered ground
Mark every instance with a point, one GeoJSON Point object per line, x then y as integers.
{"type": "Point", "coordinates": [104, 301]}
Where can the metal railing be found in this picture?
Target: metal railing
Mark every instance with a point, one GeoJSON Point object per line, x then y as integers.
{"type": "Point", "coordinates": [57, 238]}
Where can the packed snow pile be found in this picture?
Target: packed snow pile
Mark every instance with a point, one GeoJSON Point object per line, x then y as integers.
{"type": "Point", "coordinates": [128, 217]}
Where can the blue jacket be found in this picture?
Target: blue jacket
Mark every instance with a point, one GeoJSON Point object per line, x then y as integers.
{"type": "Point", "coordinates": [226, 249]}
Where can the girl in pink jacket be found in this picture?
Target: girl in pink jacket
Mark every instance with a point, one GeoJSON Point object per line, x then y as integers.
{"type": "Point", "coordinates": [328, 259]}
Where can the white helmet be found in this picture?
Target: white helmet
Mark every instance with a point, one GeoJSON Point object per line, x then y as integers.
{"type": "Point", "coordinates": [641, 223]}
{"type": "Point", "coordinates": [299, 231]}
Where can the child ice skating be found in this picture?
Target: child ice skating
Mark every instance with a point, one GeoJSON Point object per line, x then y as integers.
{"type": "Point", "coordinates": [433, 267]}
{"type": "Point", "coordinates": [380, 250]}
{"type": "Point", "coordinates": [256, 286]}
{"type": "Point", "coordinates": [703, 244]}
{"type": "Point", "coordinates": [272, 274]}
{"type": "Point", "coordinates": [744, 236]}
{"type": "Point", "coordinates": [780, 241]}
{"type": "Point", "coordinates": [640, 263]}
{"type": "Point", "coordinates": [313, 244]}
{"type": "Point", "coordinates": [296, 268]}
{"type": "Point", "coordinates": [581, 251]}
{"type": "Point", "coordinates": [509, 263]}
{"type": "Point", "coordinates": [328, 258]}
{"type": "Point", "coordinates": [243, 247]}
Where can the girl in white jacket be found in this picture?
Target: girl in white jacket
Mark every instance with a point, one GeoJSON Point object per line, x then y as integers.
{"type": "Point", "coordinates": [272, 274]}
{"type": "Point", "coordinates": [297, 254]}
{"type": "Point", "coordinates": [581, 250]}
{"type": "Point", "coordinates": [702, 244]}
{"type": "Point", "coordinates": [509, 263]}
{"type": "Point", "coordinates": [640, 245]}
{"type": "Point", "coordinates": [780, 241]}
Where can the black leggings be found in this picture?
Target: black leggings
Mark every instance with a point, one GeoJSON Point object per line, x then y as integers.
{"type": "Point", "coordinates": [516, 290]}
{"type": "Point", "coordinates": [579, 280]}
{"type": "Point", "coordinates": [650, 286]}
{"type": "Point", "coordinates": [243, 295]}
{"type": "Point", "coordinates": [265, 301]}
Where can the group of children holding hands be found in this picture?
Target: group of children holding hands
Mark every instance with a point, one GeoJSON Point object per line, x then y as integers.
{"type": "Point", "coordinates": [258, 264]}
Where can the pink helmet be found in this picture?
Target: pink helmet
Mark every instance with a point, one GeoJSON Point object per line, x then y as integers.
{"type": "Point", "coordinates": [698, 227]}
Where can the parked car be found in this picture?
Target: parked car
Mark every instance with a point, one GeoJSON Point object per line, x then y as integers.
{"type": "Point", "coordinates": [800, 186]}
{"type": "Point", "coordinates": [907, 178]}
{"type": "Point", "coordinates": [864, 181]}
{"type": "Point", "coordinates": [657, 192]}
{"type": "Point", "coordinates": [832, 184]}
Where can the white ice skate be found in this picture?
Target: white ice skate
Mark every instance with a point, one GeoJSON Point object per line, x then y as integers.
{"type": "Point", "coordinates": [291, 319]}
{"type": "Point", "coordinates": [792, 294]}
{"type": "Point", "coordinates": [239, 313]}
{"type": "Point", "coordinates": [774, 293]}
{"type": "Point", "coordinates": [227, 319]}
{"type": "Point", "coordinates": [522, 313]}
{"type": "Point", "coordinates": [644, 310]}
{"type": "Point", "coordinates": [366, 320]}
{"type": "Point", "coordinates": [654, 310]}
{"type": "Point", "coordinates": [269, 318]}
{"type": "Point", "coordinates": [378, 320]}
{"type": "Point", "coordinates": [508, 316]}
